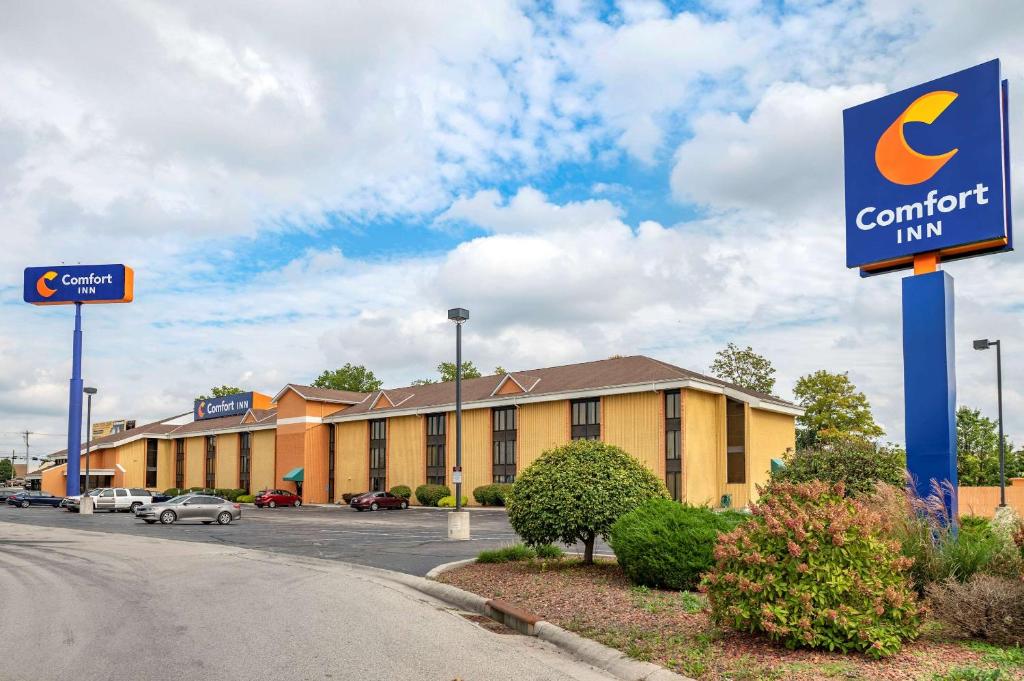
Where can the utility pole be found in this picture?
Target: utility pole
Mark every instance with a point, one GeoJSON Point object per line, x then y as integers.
{"type": "Point", "coordinates": [26, 434]}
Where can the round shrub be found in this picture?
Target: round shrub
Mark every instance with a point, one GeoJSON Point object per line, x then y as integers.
{"type": "Point", "coordinates": [815, 569]}
{"type": "Point", "coordinates": [499, 494]}
{"type": "Point", "coordinates": [449, 501]}
{"type": "Point", "coordinates": [402, 491]}
{"type": "Point", "coordinates": [668, 545]}
{"type": "Point", "coordinates": [429, 495]}
{"type": "Point", "coordinates": [574, 493]}
{"type": "Point", "coordinates": [245, 499]}
{"type": "Point", "coordinates": [172, 491]}
{"type": "Point", "coordinates": [482, 494]}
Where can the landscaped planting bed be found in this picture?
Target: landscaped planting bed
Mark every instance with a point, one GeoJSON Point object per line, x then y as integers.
{"type": "Point", "coordinates": [673, 629]}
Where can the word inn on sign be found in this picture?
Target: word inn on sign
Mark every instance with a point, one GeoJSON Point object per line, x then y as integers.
{"type": "Point", "coordinates": [870, 217]}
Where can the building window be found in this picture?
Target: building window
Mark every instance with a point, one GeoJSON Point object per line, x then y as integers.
{"type": "Point", "coordinates": [378, 455]}
{"type": "Point", "coordinates": [673, 446]}
{"type": "Point", "coordinates": [436, 473]}
{"type": "Point", "coordinates": [179, 463]}
{"type": "Point", "coordinates": [586, 419]}
{"type": "Point", "coordinates": [503, 465]}
{"type": "Point", "coordinates": [211, 461]}
{"type": "Point", "coordinates": [736, 453]}
{"type": "Point", "coordinates": [151, 449]}
{"type": "Point", "coordinates": [330, 463]}
{"type": "Point", "coordinates": [244, 460]}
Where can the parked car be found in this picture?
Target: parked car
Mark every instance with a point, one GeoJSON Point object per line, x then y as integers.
{"type": "Point", "coordinates": [204, 508]}
{"type": "Point", "coordinates": [34, 497]}
{"type": "Point", "coordinates": [8, 492]}
{"type": "Point", "coordinates": [272, 498]}
{"type": "Point", "coordinates": [377, 500]}
{"type": "Point", "coordinates": [122, 499]}
{"type": "Point", "coordinates": [73, 503]}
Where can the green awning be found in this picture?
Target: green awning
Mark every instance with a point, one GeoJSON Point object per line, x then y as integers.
{"type": "Point", "coordinates": [294, 475]}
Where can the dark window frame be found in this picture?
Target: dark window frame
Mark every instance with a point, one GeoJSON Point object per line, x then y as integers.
{"type": "Point", "coordinates": [331, 462]}
{"type": "Point", "coordinates": [436, 445]}
{"type": "Point", "coordinates": [244, 460]}
{"type": "Point", "coordinates": [735, 454]}
{"type": "Point", "coordinates": [152, 456]}
{"type": "Point", "coordinates": [179, 463]}
{"type": "Point", "coordinates": [585, 418]}
{"type": "Point", "coordinates": [674, 444]}
{"type": "Point", "coordinates": [211, 461]}
{"type": "Point", "coordinates": [504, 439]}
{"type": "Point", "coordinates": [378, 453]}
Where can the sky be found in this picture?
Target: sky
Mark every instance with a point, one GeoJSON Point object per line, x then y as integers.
{"type": "Point", "coordinates": [300, 185]}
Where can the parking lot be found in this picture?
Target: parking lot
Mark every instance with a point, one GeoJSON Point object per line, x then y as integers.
{"type": "Point", "coordinates": [411, 541]}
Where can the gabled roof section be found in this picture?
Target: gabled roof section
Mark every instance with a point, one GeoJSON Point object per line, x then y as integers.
{"type": "Point", "coordinates": [259, 417]}
{"type": "Point", "coordinates": [386, 399]}
{"type": "Point", "coordinates": [308, 392]}
{"type": "Point", "coordinates": [510, 384]}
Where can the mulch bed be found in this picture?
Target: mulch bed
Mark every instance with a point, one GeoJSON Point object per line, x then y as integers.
{"type": "Point", "coordinates": [673, 630]}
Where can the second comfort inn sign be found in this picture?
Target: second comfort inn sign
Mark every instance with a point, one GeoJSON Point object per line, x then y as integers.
{"type": "Point", "coordinates": [926, 171]}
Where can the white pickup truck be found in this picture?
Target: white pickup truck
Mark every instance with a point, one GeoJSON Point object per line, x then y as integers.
{"type": "Point", "coordinates": [122, 499]}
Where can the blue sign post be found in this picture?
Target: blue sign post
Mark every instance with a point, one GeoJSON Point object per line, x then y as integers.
{"type": "Point", "coordinates": [927, 181]}
{"type": "Point", "coordinates": [78, 285]}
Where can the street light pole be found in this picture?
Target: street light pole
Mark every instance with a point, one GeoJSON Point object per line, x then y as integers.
{"type": "Point", "coordinates": [458, 522]}
{"type": "Point", "coordinates": [985, 344]}
{"type": "Point", "coordinates": [89, 392]}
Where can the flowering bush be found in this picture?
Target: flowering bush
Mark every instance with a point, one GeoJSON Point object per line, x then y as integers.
{"type": "Point", "coordinates": [815, 569]}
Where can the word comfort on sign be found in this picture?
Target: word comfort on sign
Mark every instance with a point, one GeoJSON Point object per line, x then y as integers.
{"type": "Point", "coordinates": [215, 407]}
{"type": "Point", "coordinates": [67, 284]}
{"type": "Point", "coordinates": [927, 172]}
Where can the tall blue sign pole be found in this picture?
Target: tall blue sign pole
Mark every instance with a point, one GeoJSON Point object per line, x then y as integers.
{"type": "Point", "coordinates": [75, 408]}
{"type": "Point", "coordinates": [77, 285]}
{"type": "Point", "coordinates": [927, 181]}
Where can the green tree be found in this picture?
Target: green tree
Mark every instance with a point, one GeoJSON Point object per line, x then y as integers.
{"type": "Point", "coordinates": [833, 406]}
{"type": "Point", "coordinates": [221, 391]}
{"type": "Point", "coordinates": [576, 492]}
{"type": "Point", "coordinates": [500, 371]}
{"type": "Point", "coordinates": [356, 378]}
{"type": "Point", "coordinates": [857, 463]}
{"type": "Point", "coordinates": [977, 443]}
{"type": "Point", "coordinates": [744, 367]}
{"type": "Point", "coordinates": [6, 470]}
{"type": "Point", "coordinates": [447, 372]}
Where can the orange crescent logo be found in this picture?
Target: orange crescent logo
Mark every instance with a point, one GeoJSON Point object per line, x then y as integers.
{"type": "Point", "coordinates": [41, 287]}
{"type": "Point", "coordinates": [201, 406]}
{"type": "Point", "coordinates": [896, 160]}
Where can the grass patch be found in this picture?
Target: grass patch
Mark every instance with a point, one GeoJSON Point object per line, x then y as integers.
{"type": "Point", "coordinates": [1003, 656]}
{"type": "Point", "coordinates": [745, 668]}
{"type": "Point", "coordinates": [970, 674]}
{"type": "Point", "coordinates": [824, 670]}
{"type": "Point", "coordinates": [507, 554]}
{"type": "Point", "coordinates": [549, 552]}
{"type": "Point", "coordinates": [657, 602]}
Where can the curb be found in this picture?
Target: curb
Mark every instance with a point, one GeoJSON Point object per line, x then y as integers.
{"type": "Point", "coordinates": [586, 650]}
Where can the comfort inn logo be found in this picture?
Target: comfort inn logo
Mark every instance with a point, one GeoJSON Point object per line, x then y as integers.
{"type": "Point", "coordinates": [896, 159]}
{"type": "Point", "coordinates": [201, 409]}
{"type": "Point", "coordinates": [41, 287]}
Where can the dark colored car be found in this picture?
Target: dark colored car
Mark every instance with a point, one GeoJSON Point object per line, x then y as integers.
{"type": "Point", "coordinates": [6, 494]}
{"type": "Point", "coordinates": [34, 498]}
{"type": "Point", "coordinates": [273, 498]}
{"type": "Point", "coordinates": [377, 500]}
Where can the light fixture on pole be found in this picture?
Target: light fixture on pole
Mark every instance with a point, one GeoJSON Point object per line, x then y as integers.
{"type": "Point", "coordinates": [985, 344]}
{"type": "Point", "coordinates": [85, 503]}
{"type": "Point", "coordinates": [458, 521]}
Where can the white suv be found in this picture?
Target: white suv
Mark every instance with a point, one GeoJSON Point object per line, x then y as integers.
{"type": "Point", "coordinates": [122, 499]}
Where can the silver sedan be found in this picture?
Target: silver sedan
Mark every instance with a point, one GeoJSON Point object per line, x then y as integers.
{"type": "Point", "coordinates": [201, 507]}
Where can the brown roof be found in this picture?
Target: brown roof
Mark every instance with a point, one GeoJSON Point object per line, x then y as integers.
{"type": "Point", "coordinates": [308, 392]}
{"type": "Point", "coordinates": [606, 373]}
{"type": "Point", "coordinates": [154, 428]}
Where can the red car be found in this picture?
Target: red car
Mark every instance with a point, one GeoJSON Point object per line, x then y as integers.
{"type": "Point", "coordinates": [377, 500]}
{"type": "Point", "coordinates": [277, 497]}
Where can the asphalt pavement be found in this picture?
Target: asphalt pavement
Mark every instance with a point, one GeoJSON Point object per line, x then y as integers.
{"type": "Point", "coordinates": [412, 541]}
{"type": "Point", "coordinates": [99, 605]}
